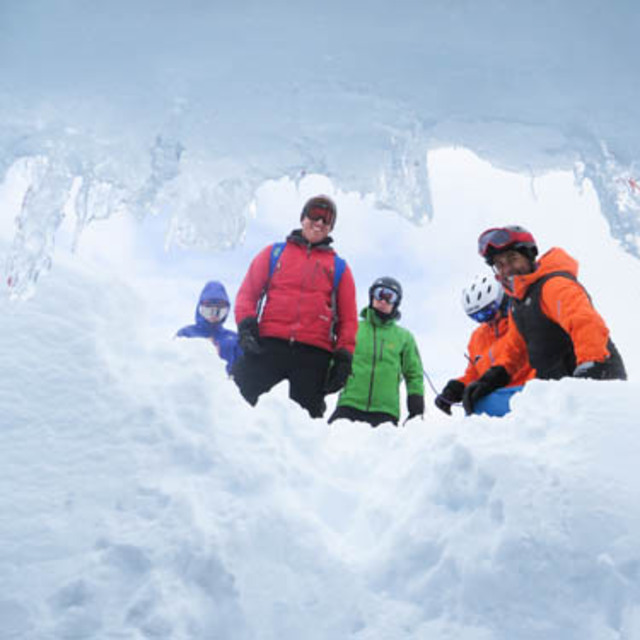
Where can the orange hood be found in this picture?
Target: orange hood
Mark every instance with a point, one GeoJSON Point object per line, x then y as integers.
{"type": "Point", "coordinates": [553, 260]}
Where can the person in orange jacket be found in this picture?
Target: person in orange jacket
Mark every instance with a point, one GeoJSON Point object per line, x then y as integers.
{"type": "Point", "coordinates": [552, 321]}
{"type": "Point", "coordinates": [485, 302]}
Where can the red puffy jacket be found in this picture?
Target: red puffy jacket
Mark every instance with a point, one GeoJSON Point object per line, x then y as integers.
{"type": "Point", "coordinates": [298, 301]}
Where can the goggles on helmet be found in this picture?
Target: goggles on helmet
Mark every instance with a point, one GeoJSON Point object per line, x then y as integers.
{"type": "Point", "coordinates": [500, 238]}
{"type": "Point", "coordinates": [213, 310]}
{"type": "Point", "coordinates": [386, 295]}
{"type": "Point", "coordinates": [486, 313]}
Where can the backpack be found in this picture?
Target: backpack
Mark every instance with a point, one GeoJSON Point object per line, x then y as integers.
{"type": "Point", "coordinates": [339, 265]}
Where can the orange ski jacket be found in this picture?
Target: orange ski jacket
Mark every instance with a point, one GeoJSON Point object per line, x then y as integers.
{"type": "Point", "coordinates": [484, 351]}
{"type": "Point", "coordinates": [564, 302]}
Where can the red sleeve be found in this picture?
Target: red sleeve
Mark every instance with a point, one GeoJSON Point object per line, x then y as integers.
{"type": "Point", "coordinates": [252, 286]}
{"type": "Point", "coordinates": [347, 325]}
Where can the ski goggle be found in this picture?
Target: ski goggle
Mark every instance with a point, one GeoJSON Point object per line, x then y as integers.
{"type": "Point", "coordinates": [213, 311]}
{"type": "Point", "coordinates": [487, 313]}
{"type": "Point", "coordinates": [386, 295]}
{"type": "Point", "coordinates": [502, 237]}
{"type": "Point", "coordinates": [321, 213]}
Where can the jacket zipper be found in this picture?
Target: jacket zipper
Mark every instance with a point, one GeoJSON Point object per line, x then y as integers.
{"type": "Point", "coordinates": [373, 369]}
{"type": "Point", "coordinates": [292, 337]}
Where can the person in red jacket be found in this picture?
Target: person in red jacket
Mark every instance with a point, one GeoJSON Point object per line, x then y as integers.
{"type": "Point", "coordinates": [484, 301]}
{"type": "Point", "coordinates": [294, 321]}
{"type": "Point", "coordinates": [552, 319]}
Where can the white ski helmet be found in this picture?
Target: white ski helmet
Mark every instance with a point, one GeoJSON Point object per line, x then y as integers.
{"type": "Point", "coordinates": [482, 298]}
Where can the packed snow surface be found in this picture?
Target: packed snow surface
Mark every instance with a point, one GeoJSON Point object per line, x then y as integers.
{"type": "Point", "coordinates": [142, 498]}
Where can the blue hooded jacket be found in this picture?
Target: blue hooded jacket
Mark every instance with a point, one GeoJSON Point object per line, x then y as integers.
{"type": "Point", "coordinates": [226, 341]}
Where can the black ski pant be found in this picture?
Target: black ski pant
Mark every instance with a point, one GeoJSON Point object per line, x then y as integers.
{"type": "Point", "coordinates": [374, 418]}
{"type": "Point", "coordinates": [304, 366]}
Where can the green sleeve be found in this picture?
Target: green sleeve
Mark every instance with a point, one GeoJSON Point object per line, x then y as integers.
{"type": "Point", "coordinates": [412, 367]}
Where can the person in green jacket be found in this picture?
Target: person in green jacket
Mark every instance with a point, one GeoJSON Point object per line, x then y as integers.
{"type": "Point", "coordinates": [385, 354]}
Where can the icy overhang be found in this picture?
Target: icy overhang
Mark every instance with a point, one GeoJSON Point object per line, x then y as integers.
{"type": "Point", "coordinates": [185, 110]}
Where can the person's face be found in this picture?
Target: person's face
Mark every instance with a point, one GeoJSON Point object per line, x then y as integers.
{"type": "Point", "coordinates": [214, 311]}
{"type": "Point", "coordinates": [315, 229]}
{"type": "Point", "coordinates": [511, 263]}
{"type": "Point", "coordinates": [382, 306]}
{"type": "Point", "coordinates": [383, 299]}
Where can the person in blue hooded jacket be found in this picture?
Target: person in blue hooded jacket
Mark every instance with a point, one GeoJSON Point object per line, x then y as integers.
{"type": "Point", "coordinates": [211, 312]}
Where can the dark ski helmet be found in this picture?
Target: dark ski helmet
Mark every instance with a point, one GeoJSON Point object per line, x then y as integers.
{"type": "Point", "coordinates": [322, 205]}
{"type": "Point", "coordinates": [499, 239]}
{"type": "Point", "coordinates": [383, 287]}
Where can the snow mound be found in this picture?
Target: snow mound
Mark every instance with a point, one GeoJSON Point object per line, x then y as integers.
{"type": "Point", "coordinates": [142, 498]}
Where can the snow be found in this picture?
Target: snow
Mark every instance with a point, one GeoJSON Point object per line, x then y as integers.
{"type": "Point", "coordinates": [143, 498]}
{"type": "Point", "coordinates": [148, 148]}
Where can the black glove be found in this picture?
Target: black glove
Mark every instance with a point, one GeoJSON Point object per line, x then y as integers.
{"type": "Point", "coordinates": [452, 393]}
{"type": "Point", "coordinates": [339, 371]}
{"type": "Point", "coordinates": [415, 406]}
{"type": "Point", "coordinates": [249, 336]}
{"type": "Point", "coordinates": [593, 370]}
{"type": "Point", "coordinates": [493, 379]}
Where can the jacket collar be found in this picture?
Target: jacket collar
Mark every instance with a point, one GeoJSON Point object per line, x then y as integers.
{"type": "Point", "coordinates": [371, 316]}
{"type": "Point", "coordinates": [555, 259]}
{"type": "Point", "coordinates": [296, 237]}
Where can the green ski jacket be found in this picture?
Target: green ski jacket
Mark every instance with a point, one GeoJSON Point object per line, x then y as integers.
{"type": "Point", "coordinates": [385, 353]}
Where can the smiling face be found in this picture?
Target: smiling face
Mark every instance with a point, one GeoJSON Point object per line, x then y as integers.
{"type": "Point", "coordinates": [383, 298]}
{"type": "Point", "coordinates": [511, 263]}
{"type": "Point", "coordinates": [383, 306]}
{"type": "Point", "coordinates": [315, 230]}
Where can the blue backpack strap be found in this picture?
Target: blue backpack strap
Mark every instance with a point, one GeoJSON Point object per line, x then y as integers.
{"type": "Point", "coordinates": [339, 265]}
{"type": "Point", "coordinates": [276, 251]}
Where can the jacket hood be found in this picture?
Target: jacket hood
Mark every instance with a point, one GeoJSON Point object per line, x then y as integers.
{"type": "Point", "coordinates": [555, 259]}
{"type": "Point", "coordinates": [213, 290]}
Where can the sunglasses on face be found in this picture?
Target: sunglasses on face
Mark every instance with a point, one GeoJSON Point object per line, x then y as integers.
{"type": "Point", "coordinates": [385, 295]}
{"type": "Point", "coordinates": [213, 311]}
{"type": "Point", "coordinates": [320, 213]}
